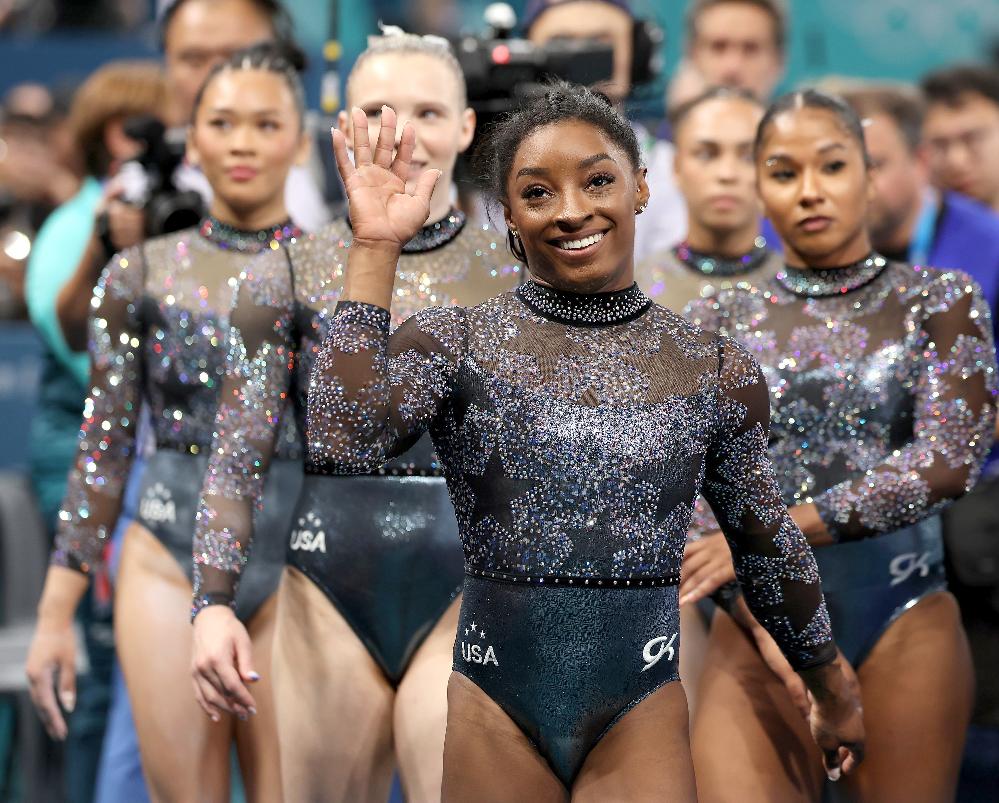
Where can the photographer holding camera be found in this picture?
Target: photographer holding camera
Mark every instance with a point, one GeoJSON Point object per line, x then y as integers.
{"type": "Point", "coordinates": [613, 22]}
{"type": "Point", "coordinates": [157, 192]}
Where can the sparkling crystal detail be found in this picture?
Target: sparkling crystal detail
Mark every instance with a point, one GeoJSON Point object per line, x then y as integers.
{"type": "Point", "coordinates": [579, 309]}
{"type": "Point", "coordinates": [822, 282]}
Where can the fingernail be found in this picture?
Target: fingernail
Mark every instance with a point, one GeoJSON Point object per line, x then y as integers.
{"type": "Point", "coordinates": [253, 710]}
{"type": "Point", "coordinates": [215, 717]}
{"type": "Point", "coordinates": [833, 774]}
{"type": "Point", "coordinates": [254, 676]}
{"type": "Point", "coordinates": [243, 717]}
{"type": "Point", "coordinates": [68, 701]}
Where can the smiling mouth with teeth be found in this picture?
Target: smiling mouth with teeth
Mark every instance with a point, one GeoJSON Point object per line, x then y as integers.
{"type": "Point", "coordinates": [576, 245]}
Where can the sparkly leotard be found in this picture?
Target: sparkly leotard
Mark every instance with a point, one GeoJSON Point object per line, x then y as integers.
{"type": "Point", "coordinates": [678, 278]}
{"type": "Point", "coordinates": [159, 339]}
{"type": "Point", "coordinates": [680, 275]}
{"type": "Point", "coordinates": [383, 548]}
{"type": "Point", "coordinates": [883, 382]}
{"type": "Point", "coordinates": [575, 432]}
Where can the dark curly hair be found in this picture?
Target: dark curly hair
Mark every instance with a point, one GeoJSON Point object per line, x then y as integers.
{"type": "Point", "coordinates": [561, 101]}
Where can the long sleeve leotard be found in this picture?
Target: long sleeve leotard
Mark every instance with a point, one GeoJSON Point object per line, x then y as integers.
{"type": "Point", "coordinates": [575, 433]}
{"type": "Point", "coordinates": [883, 380]}
{"type": "Point", "coordinates": [281, 316]}
{"type": "Point", "coordinates": [158, 338]}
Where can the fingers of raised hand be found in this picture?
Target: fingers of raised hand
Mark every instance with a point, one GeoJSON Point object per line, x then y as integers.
{"type": "Point", "coordinates": [404, 155]}
{"type": "Point", "coordinates": [425, 185]}
{"type": "Point", "coordinates": [385, 146]}
{"type": "Point", "coordinates": [343, 162]}
{"type": "Point", "coordinates": [362, 145]}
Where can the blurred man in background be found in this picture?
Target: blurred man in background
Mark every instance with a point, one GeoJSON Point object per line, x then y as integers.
{"type": "Point", "coordinates": [198, 34]}
{"type": "Point", "coordinates": [962, 130]}
{"type": "Point", "coordinates": [606, 21]}
{"type": "Point", "coordinates": [910, 220]}
{"type": "Point", "coordinates": [737, 43]}
{"type": "Point", "coordinates": [612, 22]}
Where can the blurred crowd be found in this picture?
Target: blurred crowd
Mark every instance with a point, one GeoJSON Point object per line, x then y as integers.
{"type": "Point", "coordinates": [87, 171]}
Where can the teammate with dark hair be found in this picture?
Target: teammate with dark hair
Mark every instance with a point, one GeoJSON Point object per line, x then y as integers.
{"type": "Point", "coordinates": [883, 381]}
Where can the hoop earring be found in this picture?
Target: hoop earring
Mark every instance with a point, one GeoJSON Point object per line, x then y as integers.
{"type": "Point", "coordinates": [515, 245]}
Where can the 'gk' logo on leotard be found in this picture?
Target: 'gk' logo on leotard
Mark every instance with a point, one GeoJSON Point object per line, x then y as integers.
{"type": "Point", "coordinates": [665, 645]}
{"type": "Point", "coordinates": [902, 567]}
{"type": "Point", "coordinates": [308, 536]}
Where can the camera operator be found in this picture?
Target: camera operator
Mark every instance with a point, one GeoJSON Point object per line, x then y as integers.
{"type": "Point", "coordinates": [196, 35]}
{"type": "Point", "coordinates": [63, 267]}
{"type": "Point", "coordinates": [612, 22]}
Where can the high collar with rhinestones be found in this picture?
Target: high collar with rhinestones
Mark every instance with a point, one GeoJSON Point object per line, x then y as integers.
{"type": "Point", "coordinates": [434, 235]}
{"type": "Point", "coordinates": [821, 282]}
{"type": "Point", "coordinates": [722, 266]}
{"type": "Point", "coordinates": [232, 239]}
{"type": "Point", "coordinates": [584, 309]}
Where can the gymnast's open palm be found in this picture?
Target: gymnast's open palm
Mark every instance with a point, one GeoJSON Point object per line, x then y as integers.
{"type": "Point", "coordinates": [382, 210]}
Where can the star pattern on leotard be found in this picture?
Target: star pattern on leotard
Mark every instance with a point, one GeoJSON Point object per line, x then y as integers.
{"type": "Point", "coordinates": [549, 347]}
{"type": "Point", "coordinates": [667, 481]}
{"type": "Point", "coordinates": [494, 493]}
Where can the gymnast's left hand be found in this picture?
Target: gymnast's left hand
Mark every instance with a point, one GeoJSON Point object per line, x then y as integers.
{"type": "Point", "coordinates": [707, 566]}
{"type": "Point", "coordinates": [837, 716]}
{"type": "Point", "coordinates": [222, 664]}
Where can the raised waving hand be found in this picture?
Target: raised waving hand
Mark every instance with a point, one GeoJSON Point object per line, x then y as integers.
{"type": "Point", "coordinates": [382, 210]}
